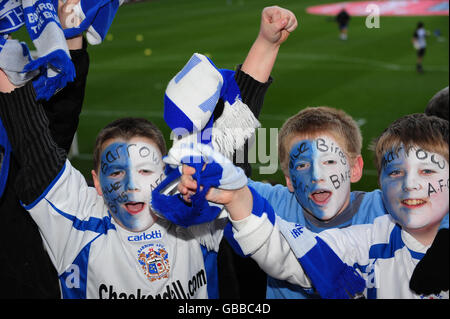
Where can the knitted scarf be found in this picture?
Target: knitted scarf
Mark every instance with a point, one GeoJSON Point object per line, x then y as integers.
{"type": "Point", "coordinates": [52, 68]}
{"type": "Point", "coordinates": [96, 16]}
{"type": "Point", "coordinates": [330, 276]}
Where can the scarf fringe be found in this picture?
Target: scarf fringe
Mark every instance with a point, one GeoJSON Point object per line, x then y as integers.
{"type": "Point", "coordinates": [233, 128]}
{"type": "Point", "coordinates": [57, 62]}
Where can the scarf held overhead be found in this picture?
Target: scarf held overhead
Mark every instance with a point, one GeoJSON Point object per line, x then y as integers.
{"type": "Point", "coordinates": [96, 17]}
{"type": "Point", "coordinates": [52, 68]}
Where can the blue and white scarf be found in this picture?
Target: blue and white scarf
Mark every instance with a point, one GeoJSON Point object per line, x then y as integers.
{"type": "Point", "coordinates": [96, 17]}
{"type": "Point", "coordinates": [218, 172]}
{"type": "Point", "coordinates": [191, 98]}
{"type": "Point", "coordinates": [189, 103]}
{"type": "Point", "coordinates": [330, 276]}
{"type": "Point", "coordinates": [52, 68]}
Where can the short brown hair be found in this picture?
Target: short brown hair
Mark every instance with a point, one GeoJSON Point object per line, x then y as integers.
{"type": "Point", "coordinates": [128, 128]}
{"type": "Point", "coordinates": [313, 121]}
{"type": "Point", "coordinates": [430, 133]}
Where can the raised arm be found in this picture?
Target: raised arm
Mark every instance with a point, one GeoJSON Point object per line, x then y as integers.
{"type": "Point", "coordinates": [276, 25]}
{"type": "Point", "coordinates": [64, 108]}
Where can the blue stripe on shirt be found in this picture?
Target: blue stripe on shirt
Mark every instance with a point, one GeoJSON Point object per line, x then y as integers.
{"type": "Point", "coordinates": [98, 225]}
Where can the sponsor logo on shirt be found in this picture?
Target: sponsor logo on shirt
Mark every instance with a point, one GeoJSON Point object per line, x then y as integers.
{"type": "Point", "coordinates": [154, 261]}
{"type": "Point", "coordinates": [156, 234]}
{"type": "Point", "coordinates": [173, 290]}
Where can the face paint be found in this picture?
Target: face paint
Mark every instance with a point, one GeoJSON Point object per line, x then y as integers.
{"type": "Point", "coordinates": [128, 174]}
{"type": "Point", "coordinates": [415, 186]}
{"type": "Point", "coordinates": [320, 175]}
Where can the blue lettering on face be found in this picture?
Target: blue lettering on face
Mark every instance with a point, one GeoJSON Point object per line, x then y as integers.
{"type": "Point", "coordinates": [115, 179]}
{"type": "Point", "coordinates": [302, 172]}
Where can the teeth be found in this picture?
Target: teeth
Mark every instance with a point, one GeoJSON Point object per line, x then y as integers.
{"type": "Point", "coordinates": [413, 202]}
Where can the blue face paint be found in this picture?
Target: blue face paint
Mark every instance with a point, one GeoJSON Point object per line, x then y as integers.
{"type": "Point", "coordinates": [128, 174]}
{"type": "Point", "coordinates": [320, 175]}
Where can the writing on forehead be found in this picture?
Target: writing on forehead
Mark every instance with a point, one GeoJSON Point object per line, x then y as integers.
{"type": "Point", "coordinates": [114, 154]}
{"type": "Point", "coordinates": [322, 145]}
{"type": "Point", "coordinates": [299, 150]}
{"type": "Point", "coordinates": [416, 153]}
{"type": "Point", "coordinates": [329, 146]}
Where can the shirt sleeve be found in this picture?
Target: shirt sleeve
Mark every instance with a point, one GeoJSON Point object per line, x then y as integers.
{"type": "Point", "coordinates": [252, 94]}
{"type": "Point", "coordinates": [262, 240]}
{"type": "Point", "coordinates": [38, 156]}
{"type": "Point", "coordinates": [64, 108]}
{"type": "Point", "coordinates": [70, 215]}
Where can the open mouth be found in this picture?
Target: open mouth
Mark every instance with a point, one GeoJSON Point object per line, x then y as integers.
{"type": "Point", "coordinates": [320, 197]}
{"type": "Point", "coordinates": [413, 203]}
{"type": "Point", "coordinates": [134, 208]}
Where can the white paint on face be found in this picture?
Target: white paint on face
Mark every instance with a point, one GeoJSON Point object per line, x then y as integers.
{"type": "Point", "coordinates": [415, 186]}
{"type": "Point", "coordinates": [319, 172]}
{"type": "Point", "coordinates": [129, 171]}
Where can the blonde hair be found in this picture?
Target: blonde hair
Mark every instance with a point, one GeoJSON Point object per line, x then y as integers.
{"type": "Point", "coordinates": [313, 121]}
{"type": "Point", "coordinates": [429, 133]}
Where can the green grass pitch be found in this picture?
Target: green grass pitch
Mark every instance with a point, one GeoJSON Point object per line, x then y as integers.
{"type": "Point", "coordinates": [371, 75]}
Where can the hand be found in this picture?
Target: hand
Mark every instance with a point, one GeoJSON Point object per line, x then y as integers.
{"type": "Point", "coordinates": [5, 84]}
{"type": "Point", "coordinates": [276, 24]}
{"type": "Point", "coordinates": [238, 202]}
{"type": "Point", "coordinates": [188, 187]}
{"type": "Point", "coordinates": [69, 19]}
{"type": "Point", "coordinates": [66, 14]}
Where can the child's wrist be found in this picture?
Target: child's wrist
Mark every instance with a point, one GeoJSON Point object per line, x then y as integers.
{"type": "Point", "coordinates": [75, 43]}
{"type": "Point", "coordinates": [241, 204]}
{"type": "Point", "coordinates": [266, 43]}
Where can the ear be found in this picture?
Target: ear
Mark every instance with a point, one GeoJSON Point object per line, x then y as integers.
{"type": "Point", "coordinates": [289, 183]}
{"type": "Point", "coordinates": [357, 169]}
{"type": "Point", "coordinates": [97, 185]}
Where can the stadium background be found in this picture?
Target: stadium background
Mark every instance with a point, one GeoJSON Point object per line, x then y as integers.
{"type": "Point", "coordinates": [371, 76]}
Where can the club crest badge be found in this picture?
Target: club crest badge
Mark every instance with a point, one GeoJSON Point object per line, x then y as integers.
{"type": "Point", "coordinates": [154, 261]}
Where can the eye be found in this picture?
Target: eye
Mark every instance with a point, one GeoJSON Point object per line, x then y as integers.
{"type": "Point", "coordinates": [145, 172]}
{"type": "Point", "coordinates": [427, 172]}
{"type": "Point", "coordinates": [116, 174]}
{"type": "Point", "coordinates": [395, 173]}
{"type": "Point", "coordinates": [330, 162]}
{"type": "Point", "coordinates": [302, 166]}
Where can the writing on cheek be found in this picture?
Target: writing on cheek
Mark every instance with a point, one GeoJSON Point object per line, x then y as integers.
{"type": "Point", "coordinates": [338, 180]}
{"type": "Point", "coordinates": [298, 185]}
{"type": "Point", "coordinates": [441, 186]}
{"type": "Point", "coordinates": [157, 182]}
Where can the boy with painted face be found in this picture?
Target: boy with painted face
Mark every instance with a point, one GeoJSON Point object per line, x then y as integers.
{"type": "Point", "coordinates": [412, 161]}
{"type": "Point", "coordinates": [106, 242]}
{"type": "Point", "coordinates": [128, 171]}
{"type": "Point", "coordinates": [320, 154]}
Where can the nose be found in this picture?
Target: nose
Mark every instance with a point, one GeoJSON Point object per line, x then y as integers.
{"type": "Point", "coordinates": [411, 183]}
{"type": "Point", "coordinates": [317, 173]}
{"type": "Point", "coordinates": [131, 184]}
